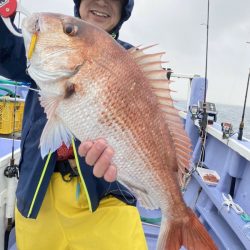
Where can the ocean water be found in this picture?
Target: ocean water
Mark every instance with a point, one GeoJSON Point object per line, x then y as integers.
{"type": "Point", "coordinates": [230, 114]}
{"type": "Point", "coordinates": [233, 115]}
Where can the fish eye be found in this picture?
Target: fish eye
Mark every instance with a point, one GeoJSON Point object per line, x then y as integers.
{"type": "Point", "coordinates": [70, 29]}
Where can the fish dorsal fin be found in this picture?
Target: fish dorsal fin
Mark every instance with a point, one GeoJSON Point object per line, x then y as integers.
{"type": "Point", "coordinates": [151, 65]}
{"type": "Point", "coordinates": [137, 52]}
{"type": "Point", "coordinates": [55, 133]}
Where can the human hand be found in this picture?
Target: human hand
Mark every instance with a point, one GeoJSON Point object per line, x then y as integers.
{"type": "Point", "coordinates": [99, 155]}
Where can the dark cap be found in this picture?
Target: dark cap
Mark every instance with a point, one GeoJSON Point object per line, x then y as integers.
{"type": "Point", "coordinates": [126, 13]}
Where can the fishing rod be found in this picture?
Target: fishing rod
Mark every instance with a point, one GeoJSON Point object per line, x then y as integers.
{"type": "Point", "coordinates": [204, 112]}
{"type": "Point", "coordinates": [203, 106]}
{"type": "Point", "coordinates": [241, 127]}
{"type": "Point", "coordinates": [240, 135]}
{"type": "Point", "coordinates": [11, 172]}
{"type": "Point", "coordinates": [207, 38]}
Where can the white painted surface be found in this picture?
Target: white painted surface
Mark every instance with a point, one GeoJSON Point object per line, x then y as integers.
{"type": "Point", "coordinates": [4, 162]}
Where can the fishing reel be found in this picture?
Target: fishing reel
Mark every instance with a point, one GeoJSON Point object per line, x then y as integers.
{"type": "Point", "coordinates": [227, 130]}
{"type": "Point", "coordinates": [12, 170]}
{"type": "Point", "coordinates": [204, 112]}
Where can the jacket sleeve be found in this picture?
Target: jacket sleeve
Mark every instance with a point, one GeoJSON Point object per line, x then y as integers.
{"type": "Point", "coordinates": [12, 55]}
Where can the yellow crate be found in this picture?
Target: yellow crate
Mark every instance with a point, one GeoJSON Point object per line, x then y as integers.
{"type": "Point", "coordinates": [7, 107]}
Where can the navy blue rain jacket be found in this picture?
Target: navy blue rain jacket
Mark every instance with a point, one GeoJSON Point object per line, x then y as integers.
{"type": "Point", "coordinates": [13, 66]}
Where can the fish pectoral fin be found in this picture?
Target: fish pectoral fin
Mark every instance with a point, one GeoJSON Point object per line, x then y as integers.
{"type": "Point", "coordinates": [49, 102]}
{"type": "Point", "coordinates": [54, 134]}
{"type": "Point", "coordinates": [141, 195]}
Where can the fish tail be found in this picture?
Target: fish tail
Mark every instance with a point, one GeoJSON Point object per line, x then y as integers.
{"type": "Point", "coordinates": [188, 232]}
{"type": "Point", "coordinates": [195, 235]}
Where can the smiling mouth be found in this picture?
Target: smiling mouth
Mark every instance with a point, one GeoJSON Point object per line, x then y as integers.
{"type": "Point", "coordinates": [99, 13]}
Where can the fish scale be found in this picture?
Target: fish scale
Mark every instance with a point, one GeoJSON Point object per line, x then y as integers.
{"type": "Point", "coordinates": [124, 97]}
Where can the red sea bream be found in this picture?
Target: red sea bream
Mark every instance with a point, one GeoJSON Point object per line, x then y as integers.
{"type": "Point", "coordinates": [93, 88]}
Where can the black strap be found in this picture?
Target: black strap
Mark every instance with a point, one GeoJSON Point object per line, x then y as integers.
{"type": "Point", "coordinates": [67, 172]}
{"type": "Point", "coordinates": [10, 225]}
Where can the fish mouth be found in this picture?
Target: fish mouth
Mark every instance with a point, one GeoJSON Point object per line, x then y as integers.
{"type": "Point", "coordinates": [101, 14]}
{"type": "Point", "coordinates": [30, 26]}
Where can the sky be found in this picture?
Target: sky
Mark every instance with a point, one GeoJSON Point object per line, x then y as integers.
{"type": "Point", "coordinates": [178, 27]}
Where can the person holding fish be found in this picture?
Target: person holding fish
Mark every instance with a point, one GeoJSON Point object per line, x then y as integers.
{"type": "Point", "coordinates": [58, 207]}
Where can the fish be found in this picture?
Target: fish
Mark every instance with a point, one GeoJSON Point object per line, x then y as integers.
{"type": "Point", "coordinates": [91, 88]}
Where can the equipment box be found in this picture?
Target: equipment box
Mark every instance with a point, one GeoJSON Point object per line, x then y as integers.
{"type": "Point", "coordinates": [11, 115]}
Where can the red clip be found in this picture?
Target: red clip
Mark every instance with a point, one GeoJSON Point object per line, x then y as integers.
{"type": "Point", "coordinates": [7, 8]}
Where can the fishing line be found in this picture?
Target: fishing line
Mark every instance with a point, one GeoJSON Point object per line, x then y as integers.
{"type": "Point", "coordinates": [32, 89]}
{"type": "Point", "coordinates": [125, 191]}
{"type": "Point", "coordinates": [29, 88]}
{"type": "Point", "coordinates": [122, 192]}
{"type": "Point", "coordinates": [18, 85]}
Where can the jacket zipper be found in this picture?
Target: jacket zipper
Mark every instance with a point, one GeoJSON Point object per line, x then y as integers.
{"type": "Point", "coordinates": [81, 176]}
{"type": "Point", "coordinates": [42, 177]}
{"type": "Point", "coordinates": [39, 184]}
